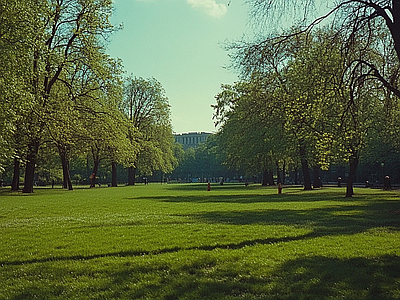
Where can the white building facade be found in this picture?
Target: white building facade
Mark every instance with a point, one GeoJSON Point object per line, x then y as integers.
{"type": "Point", "coordinates": [191, 139]}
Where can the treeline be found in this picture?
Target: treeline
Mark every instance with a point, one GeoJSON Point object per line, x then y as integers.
{"type": "Point", "coordinates": [314, 96]}
{"type": "Point", "coordinates": [62, 96]}
{"type": "Point", "coordinates": [309, 98]}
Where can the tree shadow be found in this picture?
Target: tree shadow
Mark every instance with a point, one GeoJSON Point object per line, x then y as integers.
{"type": "Point", "coordinates": [204, 277]}
{"type": "Point", "coordinates": [331, 220]}
{"type": "Point", "coordinates": [247, 197]}
{"type": "Point", "coordinates": [214, 186]}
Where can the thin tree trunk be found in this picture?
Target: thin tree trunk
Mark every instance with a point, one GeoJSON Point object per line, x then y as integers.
{"type": "Point", "coordinates": [304, 167]}
{"type": "Point", "coordinates": [31, 159]}
{"type": "Point", "coordinates": [15, 181]}
{"type": "Point", "coordinates": [265, 178]}
{"type": "Point", "coordinates": [271, 178]}
{"type": "Point", "coordinates": [352, 175]}
{"type": "Point", "coordinates": [131, 175]}
{"type": "Point", "coordinates": [64, 167]}
{"type": "Point", "coordinates": [317, 181]}
{"type": "Point", "coordinates": [283, 172]}
{"type": "Point", "coordinates": [114, 174]}
{"type": "Point", "coordinates": [278, 174]}
{"type": "Point", "coordinates": [96, 164]}
{"type": "Point", "coordinates": [67, 183]}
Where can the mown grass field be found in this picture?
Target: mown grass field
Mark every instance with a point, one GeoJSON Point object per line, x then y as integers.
{"type": "Point", "coordinates": [182, 242]}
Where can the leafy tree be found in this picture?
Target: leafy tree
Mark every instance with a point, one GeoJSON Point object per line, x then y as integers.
{"type": "Point", "coordinates": [252, 134]}
{"type": "Point", "coordinates": [202, 162]}
{"type": "Point", "coordinates": [147, 108]}
{"type": "Point", "coordinates": [355, 20]}
{"type": "Point", "coordinates": [294, 99]}
{"type": "Point", "coordinates": [63, 29]}
{"type": "Point", "coordinates": [17, 30]}
{"type": "Point", "coordinates": [325, 83]}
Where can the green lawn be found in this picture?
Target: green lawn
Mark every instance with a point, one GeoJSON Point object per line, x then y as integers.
{"type": "Point", "coordinates": [182, 242]}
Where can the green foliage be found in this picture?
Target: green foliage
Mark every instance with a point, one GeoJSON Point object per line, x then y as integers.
{"type": "Point", "coordinates": [146, 106]}
{"type": "Point", "coordinates": [202, 162]}
{"type": "Point", "coordinates": [251, 136]}
{"type": "Point", "coordinates": [66, 91]}
{"type": "Point", "coordinates": [17, 30]}
{"type": "Point", "coordinates": [305, 97]}
{"type": "Point", "coordinates": [183, 242]}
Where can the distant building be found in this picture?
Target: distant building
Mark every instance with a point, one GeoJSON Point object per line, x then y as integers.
{"type": "Point", "coordinates": [191, 139]}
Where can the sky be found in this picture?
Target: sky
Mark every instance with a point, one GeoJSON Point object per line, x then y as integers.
{"type": "Point", "coordinates": [180, 43]}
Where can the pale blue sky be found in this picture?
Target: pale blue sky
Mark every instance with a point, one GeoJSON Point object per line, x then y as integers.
{"type": "Point", "coordinates": [179, 43]}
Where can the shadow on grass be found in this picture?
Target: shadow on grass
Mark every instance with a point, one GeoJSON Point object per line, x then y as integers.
{"type": "Point", "coordinates": [326, 221]}
{"type": "Point", "coordinates": [214, 186]}
{"type": "Point", "coordinates": [331, 220]}
{"type": "Point", "coordinates": [294, 195]}
{"type": "Point", "coordinates": [304, 278]}
{"type": "Point", "coordinates": [141, 253]}
{"type": "Point", "coordinates": [204, 277]}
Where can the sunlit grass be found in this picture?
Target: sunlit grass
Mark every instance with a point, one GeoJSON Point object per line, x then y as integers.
{"type": "Point", "coordinates": [182, 242]}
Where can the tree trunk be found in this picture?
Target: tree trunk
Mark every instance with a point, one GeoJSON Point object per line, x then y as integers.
{"type": "Point", "coordinates": [283, 172]}
{"type": "Point", "coordinates": [31, 159]}
{"type": "Point", "coordinates": [64, 168]}
{"type": "Point", "coordinates": [96, 164]}
{"type": "Point", "coordinates": [271, 178]}
{"type": "Point", "coordinates": [278, 174]}
{"type": "Point", "coordinates": [317, 180]}
{"type": "Point", "coordinates": [131, 176]}
{"type": "Point", "coordinates": [304, 167]}
{"type": "Point", "coordinates": [352, 175]}
{"type": "Point", "coordinates": [265, 178]}
{"type": "Point", "coordinates": [114, 174]}
{"type": "Point", "coordinates": [67, 183]}
{"type": "Point", "coordinates": [15, 181]}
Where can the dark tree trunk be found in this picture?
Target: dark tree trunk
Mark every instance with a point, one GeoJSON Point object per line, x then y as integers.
{"type": "Point", "coordinates": [304, 167]}
{"type": "Point", "coordinates": [265, 178]}
{"type": "Point", "coordinates": [278, 174]}
{"type": "Point", "coordinates": [283, 172]}
{"type": "Point", "coordinates": [352, 175]}
{"type": "Point", "coordinates": [271, 178]}
{"type": "Point", "coordinates": [114, 174]}
{"type": "Point", "coordinates": [316, 178]}
{"type": "Point", "coordinates": [296, 177]}
{"type": "Point", "coordinates": [67, 183]}
{"type": "Point", "coordinates": [131, 176]}
{"type": "Point", "coordinates": [64, 168]}
{"type": "Point", "coordinates": [15, 180]}
{"type": "Point", "coordinates": [96, 164]}
{"type": "Point", "coordinates": [31, 159]}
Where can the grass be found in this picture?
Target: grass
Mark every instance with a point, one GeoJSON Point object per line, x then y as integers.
{"type": "Point", "coordinates": [182, 242]}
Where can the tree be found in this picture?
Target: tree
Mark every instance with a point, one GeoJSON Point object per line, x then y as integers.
{"type": "Point", "coordinates": [63, 29]}
{"type": "Point", "coordinates": [301, 89]}
{"type": "Point", "coordinates": [17, 30]}
{"type": "Point", "coordinates": [252, 135]}
{"type": "Point", "coordinates": [362, 35]}
{"type": "Point", "coordinates": [355, 20]}
{"type": "Point", "coordinates": [147, 108]}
